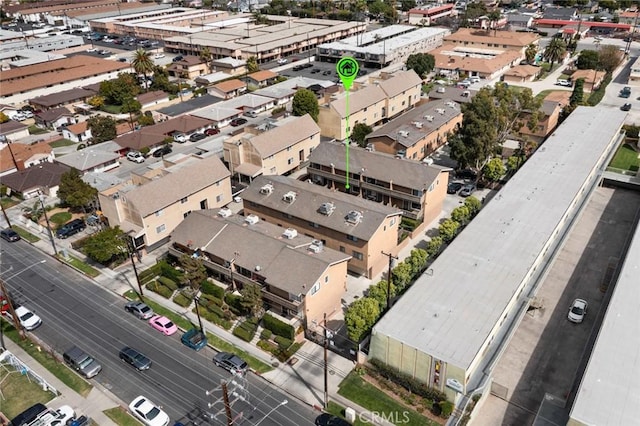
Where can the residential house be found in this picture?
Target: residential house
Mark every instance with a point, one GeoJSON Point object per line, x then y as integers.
{"type": "Point", "coordinates": [482, 39]}
{"type": "Point", "coordinates": [189, 67]}
{"type": "Point", "coordinates": [592, 78]}
{"type": "Point", "coordinates": [300, 280]}
{"type": "Point", "coordinates": [79, 132]}
{"type": "Point", "coordinates": [13, 131]}
{"type": "Point", "coordinates": [149, 206]}
{"type": "Point", "coordinates": [155, 135]}
{"type": "Point", "coordinates": [17, 156]}
{"type": "Point", "coordinates": [278, 151]}
{"type": "Point", "coordinates": [547, 122]}
{"type": "Point", "coordinates": [55, 118]}
{"type": "Point", "coordinates": [629, 17]}
{"type": "Point", "coordinates": [561, 13]}
{"type": "Point", "coordinates": [222, 113]}
{"type": "Point", "coordinates": [384, 98]}
{"type": "Point", "coordinates": [91, 159]}
{"type": "Point", "coordinates": [262, 78]}
{"type": "Point", "coordinates": [428, 16]}
{"type": "Point", "coordinates": [280, 94]}
{"type": "Point", "coordinates": [230, 66]}
{"type": "Point", "coordinates": [522, 74]}
{"type": "Point", "coordinates": [28, 183]}
{"type": "Point", "coordinates": [358, 227]}
{"type": "Point", "coordinates": [228, 89]}
{"type": "Point", "coordinates": [419, 132]}
{"type": "Point", "coordinates": [415, 187]}
{"type": "Point", "coordinates": [63, 98]}
{"type": "Point", "coordinates": [153, 98]}
{"type": "Point", "coordinates": [519, 21]}
{"type": "Point", "coordinates": [210, 79]}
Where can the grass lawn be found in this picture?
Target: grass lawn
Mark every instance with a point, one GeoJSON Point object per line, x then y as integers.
{"type": "Point", "coordinates": [35, 130]}
{"type": "Point", "coordinates": [338, 410]}
{"type": "Point", "coordinates": [61, 142]}
{"type": "Point", "coordinates": [48, 361]}
{"type": "Point", "coordinates": [356, 389]}
{"type": "Point", "coordinates": [80, 265]}
{"type": "Point", "coordinates": [111, 109]}
{"type": "Point", "coordinates": [19, 392]}
{"type": "Point", "coordinates": [60, 218]}
{"type": "Point", "coordinates": [626, 159]}
{"type": "Point", "coordinates": [121, 417]}
{"type": "Point", "coordinates": [8, 202]}
{"type": "Point", "coordinates": [215, 341]}
{"type": "Point", "coordinates": [26, 235]}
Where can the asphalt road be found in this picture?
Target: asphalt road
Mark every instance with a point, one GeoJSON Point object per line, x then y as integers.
{"type": "Point", "coordinates": [75, 311]}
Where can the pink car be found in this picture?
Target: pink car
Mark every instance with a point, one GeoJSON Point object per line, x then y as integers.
{"type": "Point", "coordinates": [163, 324]}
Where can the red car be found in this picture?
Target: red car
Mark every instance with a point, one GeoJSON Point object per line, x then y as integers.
{"type": "Point", "coordinates": [163, 324]}
{"type": "Point", "coordinates": [211, 132]}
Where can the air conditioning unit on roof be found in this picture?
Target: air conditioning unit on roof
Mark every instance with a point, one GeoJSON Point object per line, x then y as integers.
{"type": "Point", "coordinates": [428, 117]}
{"type": "Point", "coordinates": [289, 197]}
{"type": "Point", "coordinates": [290, 233]}
{"type": "Point", "coordinates": [266, 189]}
{"type": "Point", "coordinates": [252, 219]}
{"type": "Point", "coordinates": [354, 217]}
{"type": "Point", "coordinates": [326, 208]}
{"type": "Point", "coordinates": [315, 248]}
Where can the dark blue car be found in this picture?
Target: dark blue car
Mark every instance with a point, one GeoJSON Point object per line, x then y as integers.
{"type": "Point", "coordinates": [195, 339]}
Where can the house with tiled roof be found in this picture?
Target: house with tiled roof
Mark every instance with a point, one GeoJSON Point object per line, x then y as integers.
{"type": "Point", "coordinates": [55, 118]}
{"type": "Point", "coordinates": [483, 39]}
{"type": "Point", "coordinates": [150, 206]}
{"type": "Point", "coordinates": [79, 132]}
{"type": "Point", "coordinates": [522, 74]}
{"type": "Point", "coordinates": [262, 78]}
{"type": "Point", "coordinates": [592, 78]}
{"type": "Point", "coordinates": [413, 186]}
{"type": "Point", "coordinates": [629, 17]}
{"type": "Point", "coordinates": [278, 151]}
{"type": "Point", "coordinates": [228, 89]}
{"type": "Point", "coordinates": [484, 62]}
{"type": "Point", "coordinates": [358, 227]}
{"type": "Point", "coordinates": [382, 99]}
{"type": "Point", "coordinates": [300, 281]}
{"type": "Point", "coordinates": [13, 130]}
{"type": "Point", "coordinates": [189, 67]}
{"type": "Point", "coordinates": [18, 156]}
{"type": "Point", "coordinates": [28, 183]}
{"type": "Point", "coordinates": [419, 132]}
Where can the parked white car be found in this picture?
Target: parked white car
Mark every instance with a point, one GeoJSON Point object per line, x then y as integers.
{"type": "Point", "coordinates": [158, 56]}
{"type": "Point", "coordinates": [135, 156]}
{"type": "Point", "coordinates": [28, 320]}
{"type": "Point", "coordinates": [148, 413]}
{"type": "Point", "coordinates": [282, 61]}
{"type": "Point", "coordinates": [577, 311]}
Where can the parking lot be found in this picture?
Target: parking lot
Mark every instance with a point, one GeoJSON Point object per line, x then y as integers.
{"type": "Point", "coordinates": [314, 69]}
{"type": "Point", "coordinates": [548, 354]}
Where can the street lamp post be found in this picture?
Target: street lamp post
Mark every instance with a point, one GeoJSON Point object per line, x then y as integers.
{"type": "Point", "coordinates": [284, 402]}
{"type": "Point", "coordinates": [46, 218]}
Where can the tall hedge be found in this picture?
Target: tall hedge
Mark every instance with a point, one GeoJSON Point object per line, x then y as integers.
{"type": "Point", "coordinates": [278, 327]}
{"type": "Point", "coordinates": [207, 287]}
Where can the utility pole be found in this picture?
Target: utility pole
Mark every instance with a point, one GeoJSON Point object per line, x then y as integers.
{"type": "Point", "coordinates": [227, 405]}
{"type": "Point", "coordinates": [46, 218]}
{"type": "Point", "coordinates": [326, 364]}
{"type": "Point", "coordinates": [16, 322]}
{"type": "Point", "coordinates": [197, 302]}
{"type": "Point", "coordinates": [633, 31]}
{"type": "Point", "coordinates": [131, 248]}
{"type": "Point", "coordinates": [391, 259]}
{"type": "Point", "coordinates": [6, 216]}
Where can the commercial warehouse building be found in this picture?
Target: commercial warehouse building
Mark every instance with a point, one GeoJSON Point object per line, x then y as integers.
{"type": "Point", "coordinates": [449, 327]}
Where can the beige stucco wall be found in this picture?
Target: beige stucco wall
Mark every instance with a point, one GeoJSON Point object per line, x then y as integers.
{"type": "Point", "coordinates": [434, 199]}
{"type": "Point", "coordinates": [328, 299]}
{"type": "Point", "coordinates": [279, 163]}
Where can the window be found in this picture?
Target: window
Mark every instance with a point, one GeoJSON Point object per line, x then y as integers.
{"type": "Point", "coordinates": [357, 255]}
{"type": "Point", "coordinates": [315, 289]}
{"type": "Point", "coordinates": [393, 221]}
{"type": "Point", "coordinates": [273, 170]}
{"type": "Point", "coordinates": [218, 198]}
{"type": "Point", "coordinates": [184, 200]}
{"type": "Point", "coordinates": [342, 249]}
{"type": "Point", "coordinates": [326, 279]}
{"type": "Point", "coordinates": [186, 214]}
{"type": "Point", "coordinates": [314, 225]}
{"type": "Point", "coordinates": [160, 229]}
{"type": "Point", "coordinates": [290, 161]}
{"type": "Point", "coordinates": [352, 238]}
{"type": "Point", "coordinates": [159, 213]}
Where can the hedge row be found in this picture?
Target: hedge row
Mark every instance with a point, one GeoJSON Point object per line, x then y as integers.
{"type": "Point", "coordinates": [246, 330]}
{"type": "Point", "coordinates": [207, 299]}
{"type": "Point", "coordinates": [162, 290]}
{"type": "Point", "coordinates": [182, 300]}
{"type": "Point", "coordinates": [283, 342]}
{"type": "Point", "coordinates": [214, 318]}
{"type": "Point", "coordinates": [266, 334]}
{"type": "Point", "coordinates": [278, 327]}
{"type": "Point", "coordinates": [235, 304]}
{"type": "Point", "coordinates": [167, 270]}
{"type": "Point", "coordinates": [409, 383]}
{"type": "Point", "coordinates": [210, 288]}
{"type": "Point", "coordinates": [168, 282]}
{"type": "Point", "coordinates": [281, 354]}
{"type": "Point", "coordinates": [149, 274]}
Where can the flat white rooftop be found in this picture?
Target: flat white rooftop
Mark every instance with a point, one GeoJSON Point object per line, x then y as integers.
{"type": "Point", "coordinates": [450, 311]}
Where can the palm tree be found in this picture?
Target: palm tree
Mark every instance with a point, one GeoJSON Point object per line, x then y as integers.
{"type": "Point", "coordinates": [142, 63]}
{"type": "Point", "coordinates": [530, 52]}
{"type": "Point", "coordinates": [206, 56]}
{"type": "Point", "coordinates": [555, 50]}
{"type": "Point", "coordinates": [494, 16]}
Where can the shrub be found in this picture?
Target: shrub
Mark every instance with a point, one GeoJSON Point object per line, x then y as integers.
{"type": "Point", "coordinates": [245, 331]}
{"type": "Point", "coordinates": [166, 270]}
{"type": "Point", "coordinates": [235, 303]}
{"type": "Point", "coordinates": [211, 317]}
{"type": "Point", "coordinates": [446, 408]}
{"type": "Point", "coordinates": [284, 355]}
{"type": "Point", "coordinates": [168, 282]}
{"type": "Point", "coordinates": [182, 300]}
{"type": "Point", "coordinates": [266, 334]}
{"type": "Point", "coordinates": [207, 287]}
{"type": "Point", "coordinates": [207, 299]}
{"type": "Point", "coordinates": [409, 224]}
{"type": "Point", "coordinates": [216, 310]}
{"type": "Point", "coordinates": [163, 291]}
{"type": "Point", "coordinates": [267, 346]}
{"type": "Point", "coordinates": [596, 97]}
{"type": "Point", "coordinates": [283, 342]}
{"type": "Point", "coordinates": [278, 327]}
{"type": "Point", "coordinates": [408, 382]}
{"type": "Point", "coordinates": [149, 274]}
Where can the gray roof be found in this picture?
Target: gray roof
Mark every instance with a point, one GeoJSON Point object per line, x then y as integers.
{"type": "Point", "coordinates": [376, 165]}
{"type": "Point", "coordinates": [450, 313]}
{"type": "Point", "coordinates": [63, 97]}
{"type": "Point", "coordinates": [43, 175]}
{"type": "Point", "coordinates": [294, 130]}
{"type": "Point", "coordinates": [611, 377]}
{"type": "Point", "coordinates": [53, 114]}
{"type": "Point", "coordinates": [190, 105]}
{"type": "Point", "coordinates": [415, 125]}
{"type": "Point", "coordinates": [101, 180]}
{"type": "Point", "coordinates": [287, 264]}
{"type": "Point", "coordinates": [309, 197]}
{"type": "Point", "coordinates": [516, 17]}
{"type": "Point", "coordinates": [88, 158]}
{"type": "Point", "coordinates": [186, 179]}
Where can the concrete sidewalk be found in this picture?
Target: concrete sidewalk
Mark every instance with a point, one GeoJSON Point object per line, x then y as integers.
{"type": "Point", "coordinates": [93, 405]}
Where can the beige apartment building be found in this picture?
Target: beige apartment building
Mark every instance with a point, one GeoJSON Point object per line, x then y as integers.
{"type": "Point", "coordinates": [299, 279]}
{"type": "Point", "coordinates": [360, 228]}
{"type": "Point", "coordinates": [383, 98]}
{"type": "Point", "coordinates": [149, 206]}
{"type": "Point", "coordinates": [278, 151]}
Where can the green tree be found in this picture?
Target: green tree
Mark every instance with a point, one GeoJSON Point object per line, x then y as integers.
{"type": "Point", "coordinates": [421, 63]}
{"type": "Point", "coordinates": [379, 293]}
{"type": "Point", "coordinates": [609, 58]}
{"type": "Point", "coordinates": [407, 5]}
{"type": "Point", "coordinates": [74, 191]}
{"type": "Point", "coordinates": [360, 317]}
{"type": "Point", "coordinates": [401, 276]}
{"type": "Point", "coordinates": [106, 246]}
{"type": "Point", "coordinates": [194, 272]}
{"type": "Point", "coordinates": [146, 120]}
{"type": "Point", "coordinates": [305, 102]}
{"type": "Point", "coordinates": [494, 170]}
{"type": "Point", "coordinates": [252, 64]}
{"type": "Point", "coordinates": [251, 299]}
{"type": "Point", "coordinates": [555, 50]}
{"type": "Point", "coordinates": [142, 63]}
{"type": "Point", "coordinates": [514, 162]}
{"type": "Point", "coordinates": [131, 106]}
{"type": "Point", "coordinates": [473, 204]}
{"type": "Point", "coordinates": [3, 117]}
{"type": "Point", "coordinates": [102, 128]}
{"type": "Point", "coordinates": [117, 90]}
{"type": "Point", "coordinates": [359, 133]}
{"type": "Point", "coordinates": [96, 101]}
{"type": "Point", "coordinates": [530, 52]}
{"type": "Point", "coordinates": [417, 260]}
{"type": "Point", "coordinates": [588, 60]}
{"type": "Point", "coordinates": [494, 17]}
{"type": "Point", "coordinates": [433, 246]}
{"type": "Point", "coordinates": [206, 55]}
{"type": "Point", "coordinates": [461, 214]}
{"type": "Point", "coordinates": [448, 229]}
{"type": "Point", "coordinates": [578, 92]}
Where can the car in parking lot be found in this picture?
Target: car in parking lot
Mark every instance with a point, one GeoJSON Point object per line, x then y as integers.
{"type": "Point", "coordinates": [177, 58]}
{"type": "Point", "coordinates": [197, 137]}
{"type": "Point", "coordinates": [71, 228]}
{"type": "Point", "coordinates": [158, 56]}
{"type": "Point", "coordinates": [626, 107]}
{"type": "Point", "coordinates": [139, 309]}
{"type": "Point", "coordinates": [454, 187]}
{"type": "Point", "coordinates": [163, 150]}
{"type": "Point", "coordinates": [9, 235]}
{"type": "Point", "coordinates": [282, 61]}
{"type": "Point", "coordinates": [211, 132]}
{"type": "Point", "coordinates": [327, 419]}
{"type": "Point", "coordinates": [467, 190]}
{"type": "Point", "coordinates": [135, 156]}
{"type": "Point", "coordinates": [230, 362]}
{"type": "Point", "coordinates": [134, 358]}
{"type": "Point", "coordinates": [163, 325]}
{"type": "Point", "coordinates": [577, 311]}
{"type": "Point", "coordinates": [326, 72]}
{"type": "Point", "coordinates": [147, 412]}
{"type": "Point", "coordinates": [252, 114]}
{"type": "Point", "coordinates": [238, 122]}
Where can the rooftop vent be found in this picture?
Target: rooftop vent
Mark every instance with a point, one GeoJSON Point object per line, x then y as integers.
{"type": "Point", "coordinates": [428, 117]}
{"type": "Point", "coordinates": [252, 219]}
{"type": "Point", "coordinates": [451, 104]}
{"type": "Point", "coordinates": [316, 246]}
{"type": "Point", "coordinates": [258, 268]}
{"type": "Point", "coordinates": [354, 217]}
{"type": "Point", "coordinates": [289, 197]}
{"type": "Point", "coordinates": [225, 212]}
{"type": "Point", "coordinates": [417, 124]}
{"type": "Point", "coordinates": [403, 133]}
{"type": "Point", "coordinates": [440, 111]}
{"type": "Point", "coordinates": [290, 233]}
{"type": "Point", "coordinates": [266, 189]}
{"type": "Point", "coordinates": [326, 208]}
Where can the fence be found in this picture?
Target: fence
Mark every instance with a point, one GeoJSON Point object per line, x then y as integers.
{"type": "Point", "coordinates": [9, 359]}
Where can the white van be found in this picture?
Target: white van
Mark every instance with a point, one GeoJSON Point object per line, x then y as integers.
{"type": "Point", "coordinates": [474, 79]}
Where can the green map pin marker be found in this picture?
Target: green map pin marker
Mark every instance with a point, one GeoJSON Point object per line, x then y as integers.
{"type": "Point", "coordinates": [347, 69]}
